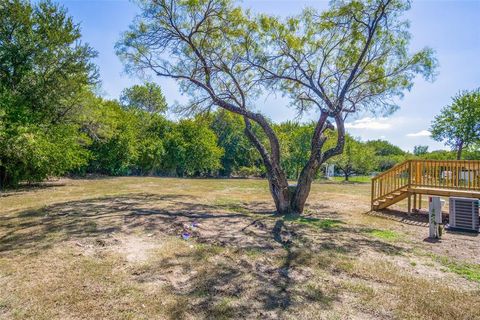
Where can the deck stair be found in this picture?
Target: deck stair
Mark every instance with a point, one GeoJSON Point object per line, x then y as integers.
{"type": "Point", "coordinates": [425, 177]}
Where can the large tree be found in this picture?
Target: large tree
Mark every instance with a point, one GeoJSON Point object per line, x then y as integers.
{"type": "Point", "coordinates": [458, 125]}
{"type": "Point", "coordinates": [43, 68]}
{"type": "Point", "coordinates": [350, 58]}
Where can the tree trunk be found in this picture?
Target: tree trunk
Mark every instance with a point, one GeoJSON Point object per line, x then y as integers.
{"type": "Point", "coordinates": [304, 183]}
{"type": "Point", "coordinates": [289, 199]}
{"type": "Point", "coordinates": [3, 177]}
{"type": "Point", "coordinates": [347, 176]}
{"type": "Point", "coordinates": [317, 158]}
{"type": "Point", "coordinates": [281, 195]}
{"type": "Point", "coordinates": [277, 179]}
{"type": "Point", "coordinates": [459, 150]}
{"type": "Point", "coordinates": [300, 195]}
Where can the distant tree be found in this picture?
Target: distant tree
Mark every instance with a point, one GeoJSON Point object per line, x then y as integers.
{"type": "Point", "coordinates": [238, 151]}
{"type": "Point", "coordinates": [123, 141]}
{"type": "Point", "coordinates": [151, 135]}
{"type": "Point", "coordinates": [356, 158]}
{"type": "Point", "coordinates": [385, 148]}
{"type": "Point", "coordinates": [439, 155]}
{"type": "Point", "coordinates": [473, 153]}
{"type": "Point", "coordinates": [388, 155]}
{"type": "Point", "coordinates": [420, 150]}
{"type": "Point", "coordinates": [191, 149]}
{"type": "Point", "coordinates": [352, 57]}
{"type": "Point", "coordinates": [113, 131]}
{"type": "Point", "coordinates": [147, 97]}
{"type": "Point", "coordinates": [388, 162]}
{"type": "Point", "coordinates": [295, 143]}
{"type": "Point", "coordinates": [43, 68]}
{"type": "Point", "coordinates": [458, 125]}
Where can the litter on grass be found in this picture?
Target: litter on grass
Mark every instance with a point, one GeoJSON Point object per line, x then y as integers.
{"type": "Point", "coordinates": [187, 228]}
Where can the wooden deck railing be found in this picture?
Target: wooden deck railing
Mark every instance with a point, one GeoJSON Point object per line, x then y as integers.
{"type": "Point", "coordinates": [453, 174]}
{"type": "Point", "coordinates": [448, 174]}
{"type": "Point", "coordinates": [391, 180]}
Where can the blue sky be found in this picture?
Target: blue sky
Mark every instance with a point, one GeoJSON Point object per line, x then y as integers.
{"type": "Point", "coordinates": [451, 28]}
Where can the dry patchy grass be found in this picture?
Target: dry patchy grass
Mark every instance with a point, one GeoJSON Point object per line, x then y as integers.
{"type": "Point", "coordinates": [112, 249]}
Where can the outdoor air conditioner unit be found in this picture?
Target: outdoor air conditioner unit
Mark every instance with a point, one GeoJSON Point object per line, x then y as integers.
{"type": "Point", "coordinates": [463, 214]}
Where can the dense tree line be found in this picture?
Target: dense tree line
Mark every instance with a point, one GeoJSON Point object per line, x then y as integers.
{"type": "Point", "coordinates": [52, 123]}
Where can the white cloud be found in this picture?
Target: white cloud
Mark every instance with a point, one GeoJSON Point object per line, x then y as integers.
{"type": "Point", "coordinates": [369, 123]}
{"type": "Point", "coordinates": [423, 133]}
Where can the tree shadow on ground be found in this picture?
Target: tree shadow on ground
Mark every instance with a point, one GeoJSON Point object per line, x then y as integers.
{"type": "Point", "coordinates": [337, 235]}
{"type": "Point", "coordinates": [96, 217]}
{"type": "Point", "coordinates": [417, 218]}
{"type": "Point", "coordinates": [234, 285]}
{"type": "Point", "coordinates": [288, 247]}
{"type": "Point", "coordinates": [162, 214]}
{"type": "Point", "coordinates": [27, 188]}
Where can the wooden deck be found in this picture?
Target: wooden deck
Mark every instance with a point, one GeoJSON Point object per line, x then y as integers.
{"type": "Point", "coordinates": [414, 178]}
{"type": "Point", "coordinates": [445, 192]}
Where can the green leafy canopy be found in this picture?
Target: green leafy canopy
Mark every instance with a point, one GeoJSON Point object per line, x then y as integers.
{"type": "Point", "coordinates": [43, 67]}
{"type": "Point", "coordinates": [458, 125]}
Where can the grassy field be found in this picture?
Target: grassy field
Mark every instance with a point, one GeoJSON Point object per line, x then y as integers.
{"type": "Point", "coordinates": [353, 179]}
{"type": "Point", "coordinates": [112, 249]}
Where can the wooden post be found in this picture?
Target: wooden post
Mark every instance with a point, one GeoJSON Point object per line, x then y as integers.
{"type": "Point", "coordinates": [372, 196]}
{"type": "Point", "coordinates": [409, 173]}
{"type": "Point", "coordinates": [418, 173]}
{"type": "Point", "coordinates": [419, 201]}
{"type": "Point", "coordinates": [414, 202]}
{"type": "Point", "coordinates": [409, 203]}
{"type": "Point", "coordinates": [409, 186]}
